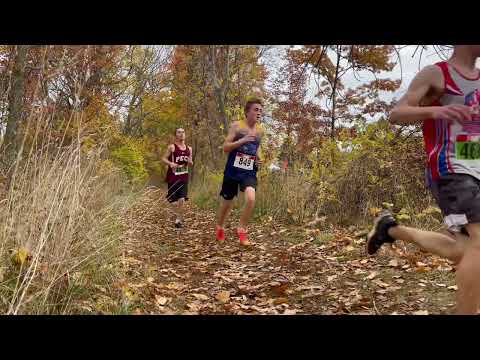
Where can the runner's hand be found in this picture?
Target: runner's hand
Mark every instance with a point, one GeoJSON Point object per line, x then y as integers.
{"type": "Point", "coordinates": [259, 162]}
{"type": "Point", "coordinates": [455, 112]}
{"type": "Point", "coordinates": [174, 166]}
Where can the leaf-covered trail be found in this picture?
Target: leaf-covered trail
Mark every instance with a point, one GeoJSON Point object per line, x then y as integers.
{"type": "Point", "coordinates": [288, 270]}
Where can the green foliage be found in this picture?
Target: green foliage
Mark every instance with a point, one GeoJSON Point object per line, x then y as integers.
{"type": "Point", "coordinates": [205, 189]}
{"type": "Point", "coordinates": [130, 158]}
{"type": "Point", "coordinates": [344, 179]}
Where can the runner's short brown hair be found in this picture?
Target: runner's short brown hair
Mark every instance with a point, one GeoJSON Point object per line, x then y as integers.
{"type": "Point", "coordinates": [251, 102]}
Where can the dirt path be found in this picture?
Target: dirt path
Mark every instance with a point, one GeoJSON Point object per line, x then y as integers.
{"type": "Point", "coordinates": [287, 271]}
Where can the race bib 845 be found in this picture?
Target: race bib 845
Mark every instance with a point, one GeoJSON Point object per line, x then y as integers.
{"type": "Point", "coordinates": [244, 161]}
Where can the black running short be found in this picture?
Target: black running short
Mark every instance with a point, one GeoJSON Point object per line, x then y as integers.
{"type": "Point", "coordinates": [177, 190]}
{"type": "Point", "coordinates": [230, 187]}
{"type": "Point", "coordinates": [458, 196]}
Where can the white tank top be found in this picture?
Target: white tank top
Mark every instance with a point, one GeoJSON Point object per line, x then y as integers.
{"type": "Point", "coordinates": [454, 148]}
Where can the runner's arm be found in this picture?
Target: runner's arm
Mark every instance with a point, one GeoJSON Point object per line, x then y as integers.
{"type": "Point", "coordinates": [408, 110]}
{"type": "Point", "coordinates": [229, 144]}
{"type": "Point", "coordinates": [167, 154]}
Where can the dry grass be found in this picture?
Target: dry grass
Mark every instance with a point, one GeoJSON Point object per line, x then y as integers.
{"type": "Point", "coordinates": [286, 197]}
{"type": "Point", "coordinates": [57, 218]}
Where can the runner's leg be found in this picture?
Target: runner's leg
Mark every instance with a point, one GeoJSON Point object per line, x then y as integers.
{"type": "Point", "coordinates": [248, 208]}
{"type": "Point", "coordinates": [227, 193]}
{"type": "Point", "coordinates": [225, 208]}
{"type": "Point", "coordinates": [451, 247]}
{"type": "Point", "coordinates": [468, 274]}
{"type": "Point", "coordinates": [179, 211]}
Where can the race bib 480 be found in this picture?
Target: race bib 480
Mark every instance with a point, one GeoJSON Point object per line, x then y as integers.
{"type": "Point", "coordinates": [467, 147]}
{"type": "Point", "coordinates": [244, 161]}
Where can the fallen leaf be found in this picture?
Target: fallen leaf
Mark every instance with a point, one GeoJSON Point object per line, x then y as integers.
{"type": "Point", "coordinates": [200, 297]}
{"type": "Point", "coordinates": [279, 289]}
{"type": "Point", "coordinates": [421, 312]}
{"type": "Point", "coordinates": [279, 301]}
{"type": "Point", "coordinates": [161, 300]}
{"type": "Point", "coordinates": [453, 287]}
{"type": "Point", "coordinates": [174, 286]}
{"type": "Point", "coordinates": [223, 296]}
{"type": "Point", "coordinates": [20, 256]}
{"type": "Point", "coordinates": [380, 283]}
{"type": "Point", "coordinates": [372, 275]}
{"type": "Point", "coordinates": [150, 279]}
{"type": "Point", "coordinates": [360, 233]}
{"type": "Point", "coordinates": [387, 205]}
{"type": "Point", "coordinates": [332, 277]}
{"type": "Point", "coordinates": [289, 312]}
{"type": "Point", "coordinates": [403, 217]}
{"type": "Point", "coordinates": [309, 287]}
{"type": "Point", "coordinates": [128, 294]}
{"type": "Point", "coordinates": [193, 307]}
{"type": "Point", "coordinates": [394, 288]}
{"type": "Point", "coordinates": [393, 263]}
{"type": "Point", "coordinates": [349, 248]}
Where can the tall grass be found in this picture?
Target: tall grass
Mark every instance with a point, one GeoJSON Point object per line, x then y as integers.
{"type": "Point", "coordinates": [286, 197]}
{"type": "Point", "coordinates": [56, 219]}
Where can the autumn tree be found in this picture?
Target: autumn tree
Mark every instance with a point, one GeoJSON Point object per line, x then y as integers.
{"type": "Point", "coordinates": [213, 82]}
{"type": "Point", "coordinates": [295, 115]}
{"type": "Point", "coordinates": [331, 63]}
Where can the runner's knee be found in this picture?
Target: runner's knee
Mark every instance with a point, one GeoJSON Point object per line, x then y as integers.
{"type": "Point", "coordinates": [250, 195]}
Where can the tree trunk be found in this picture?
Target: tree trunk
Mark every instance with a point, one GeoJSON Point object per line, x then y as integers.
{"type": "Point", "coordinates": [194, 146]}
{"type": "Point", "coordinates": [219, 90]}
{"type": "Point", "coordinates": [334, 95]}
{"type": "Point", "coordinates": [334, 104]}
{"type": "Point", "coordinates": [15, 103]}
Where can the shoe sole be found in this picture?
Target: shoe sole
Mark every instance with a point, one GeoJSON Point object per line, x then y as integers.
{"type": "Point", "coordinates": [371, 235]}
